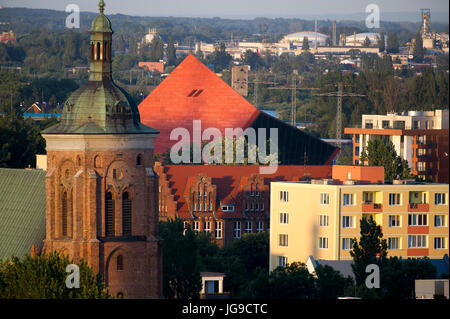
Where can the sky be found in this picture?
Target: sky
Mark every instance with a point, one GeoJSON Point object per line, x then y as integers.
{"type": "Point", "coordinates": [331, 9]}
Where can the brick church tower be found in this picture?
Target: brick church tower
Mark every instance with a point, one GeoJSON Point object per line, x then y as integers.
{"type": "Point", "coordinates": [101, 187]}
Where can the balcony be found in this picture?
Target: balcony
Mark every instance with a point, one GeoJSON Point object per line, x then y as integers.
{"type": "Point", "coordinates": [372, 207]}
{"type": "Point", "coordinates": [418, 207]}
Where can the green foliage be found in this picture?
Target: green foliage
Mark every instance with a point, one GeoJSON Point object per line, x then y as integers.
{"type": "Point", "coordinates": [330, 284]}
{"type": "Point", "coordinates": [219, 58]}
{"type": "Point", "coordinates": [370, 249]}
{"type": "Point", "coordinates": [305, 44]}
{"type": "Point", "coordinates": [380, 152]}
{"type": "Point", "coordinates": [44, 277]}
{"type": "Point", "coordinates": [171, 53]}
{"type": "Point", "coordinates": [392, 44]}
{"type": "Point", "coordinates": [291, 282]}
{"type": "Point", "coordinates": [418, 50]}
{"type": "Point", "coordinates": [366, 43]}
{"type": "Point", "coordinates": [20, 140]}
{"type": "Point", "coordinates": [181, 266]}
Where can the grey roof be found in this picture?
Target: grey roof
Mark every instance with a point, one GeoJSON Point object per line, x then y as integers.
{"type": "Point", "coordinates": [343, 266]}
{"type": "Point", "coordinates": [22, 211]}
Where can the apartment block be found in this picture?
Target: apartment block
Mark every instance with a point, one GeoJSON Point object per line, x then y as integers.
{"type": "Point", "coordinates": [420, 138]}
{"type": "Point", "coordinates": [320, 218]}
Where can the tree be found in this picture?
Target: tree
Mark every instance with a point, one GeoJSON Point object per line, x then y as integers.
{"type": "Point", "coordinates": [219, 58]}
{"type": "Point", "coordinates": [20, 140]}
{"type": "Point", "coordinates": [370, 249]}
{"type": "Point", "coordinates": [253, 59]}
{"type": "Point", "coordinates": [366, 43]}
{"type": "Point", "coordinates": [181, 272]}
{"type": "Point", "coordinates": [382, 153]}
{"type": "Point", "coordinates": [330, 284]}
{"type": "Point", "coordinates": [44, 277]}
{"type": "Point", "coordinates": [171, 53]}
{"type": "Point", "coordinates": [305, 45]}
{"type": "Point", "coordinates": [157, 52]}
{"type": "Point", "coordinates": [392, 43]}
{"type": "Point", "coordinates": [291, 282]}
{"type": "Point", "coordinates": [418, 50]}
{"type": "Point", "coordinates": [382, 42]}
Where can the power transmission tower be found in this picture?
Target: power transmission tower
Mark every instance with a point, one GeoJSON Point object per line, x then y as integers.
{"type": "Point", "coordinates": [339, 94]}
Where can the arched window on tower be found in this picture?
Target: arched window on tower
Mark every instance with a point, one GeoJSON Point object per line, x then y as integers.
{"type": "Point", "coordinates": [119, 262]}
{"type": "Point", "coordinates": [139, 160]}
{"type": "Point", "coordinates": [65, 214]}
{"type": "Point", "coordinates": [109, 215]}
{"type": "Point", "coordinates": [97, 162]}
{"type": "Point", "coordinates": [98, 51]}
{"type": "Point", "coordinates": [126, 214]}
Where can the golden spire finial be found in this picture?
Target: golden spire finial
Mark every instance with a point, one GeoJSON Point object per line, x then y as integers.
{"type": "Point", "coordinates": [101, 6]}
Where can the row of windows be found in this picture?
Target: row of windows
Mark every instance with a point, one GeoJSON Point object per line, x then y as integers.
{"type": "Point", "coordinates": [394, 220]}
{"type": "Point", "coordinates": [414, 241]}
{"type": "Point", "coordinates": [218, 229]}
{"type": "Point", "coordinates": [394, 199]}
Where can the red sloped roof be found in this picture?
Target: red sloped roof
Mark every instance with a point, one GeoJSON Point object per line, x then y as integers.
{"type": "Point", "coordinates": [194, 92]}
{"type": "Point", "coordinates": [228, 179]}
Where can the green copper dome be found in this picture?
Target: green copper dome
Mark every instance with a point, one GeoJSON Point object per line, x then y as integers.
{"type": "Point", "coordinates": [101, 24]}
{"type": "Point", "coordinates": [100, 106]}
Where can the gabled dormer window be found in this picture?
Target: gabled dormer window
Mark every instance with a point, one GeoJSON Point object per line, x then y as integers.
{"type": "Point", "coordinates": [228, 208]}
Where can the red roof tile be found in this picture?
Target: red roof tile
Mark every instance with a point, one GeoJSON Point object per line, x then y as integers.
{"type": "Point", "coordinates": [229, 180]}
{"type": "Point", "coordinates": [194, 92]}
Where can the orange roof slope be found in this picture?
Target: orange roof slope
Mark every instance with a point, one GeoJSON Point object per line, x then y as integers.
{"type": "Point", "coordinates": [194, 92]}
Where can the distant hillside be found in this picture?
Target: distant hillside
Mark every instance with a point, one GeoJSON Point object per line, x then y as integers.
{"type": "Point", "coordinates": [23, 20]}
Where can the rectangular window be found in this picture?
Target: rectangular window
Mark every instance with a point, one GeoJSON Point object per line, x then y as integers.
{"type": "Point", "coordinates": [417, 241]}
{"type": "Point", "coordinates": [237, 229]}
{"type": "Point", "coordinates": [439, 199]}
{"type": "Point", "coordinates": [439, 221]}
{"type": "Point", "coordinates": [348, 199]}
{"type": "Point", "coordinates": [248, 227]}
{"type": "Point", "coordinates": [284, 218]}
{"type": "Point", "coordinates": [196, 226]}
{"type": "Point", "coordinates": [207, 227]}
{"type": "Point", "coordinates": [394, 221]}
{"type": "Point", "coordinates": [323, 220]}
{"type": "Point", "coordinates": [283, 240]}
{"type": "Point", "coordinates": [347, 243]}
{"type": "Point", "coordinates": [259, 226]}
{"type": "Point", "coordinates": [284, 196]}
{"type": "Point", "coordinates": [439, 243]}
{"type": "Point", "coordinates": [393, 243]}
{"type": "Point", "coordinates": [218, 230]}
{"type": "Point", "coordinates": [282, 261]}
{"type": "Point", "coordinates": [394, 199]}
{"type": "Point", "coordinates": [324, 198]}
{"type": "Point", "coordinates": [417, 220]}
{"type": "Point", "coordinates": [323, 242]}
{"type": "Point", "coordinates": [347, 222]}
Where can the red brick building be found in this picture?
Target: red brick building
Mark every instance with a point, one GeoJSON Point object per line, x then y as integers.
{"type": "Point", "coordinates": [101, 190]}
{"type": "Point", "coordinates": [224, 200]}
{"type": "Point", "coordinates": [152, 66]}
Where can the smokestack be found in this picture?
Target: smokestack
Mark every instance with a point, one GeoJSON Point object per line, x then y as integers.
{"type": "Point", "coordinates": [334, 33]}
